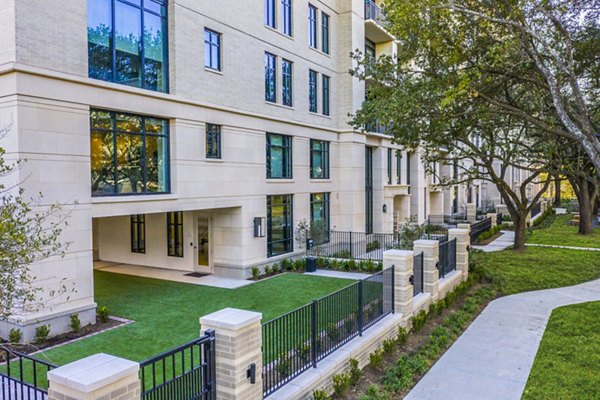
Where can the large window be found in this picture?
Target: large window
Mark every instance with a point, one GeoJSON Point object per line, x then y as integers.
{"type": "Point", "coordinates": [286, 82]}
{"type": "Point", "coordinates": [325, 33]}
{"type": "Point", "coordinates": [270, 13]}
{"type": "Point", "coordinates": [398, 167]}
{"type": "Point", "coordinates": [279, 225]}
{"type": "Point", "coordinates": [279, 156]}
{"type": "Point", "coordinates": [368, 190]}
{"type": "Point", "coordinates": [319, 159]}
{"type": "Point", "coordinates": [312, 91]}
{"type": "Point", "coordinates": [212, 49]}
{"type": "Point", "coordinates": [389, 166]}
{"type": "Point", "coordinates": [127, 42]}
{"type": "Point", "coordinates": [129, 154]}
{"type": "Point", "coordinates": [175, 234]}
{"type": "Point", "coordinates": [370, 50]}
{"type": "Point", "coordinates": [270, 78]}
{"type": "Point", "coordinates": [213, 141]}
{"type": "Point", "coordinates": [319, 217]}
{"type": "Point", "coordinates": [312, 26]}
{"type": "Point", "coordinates": [408, 168]}
{"type": "Point", "coordinates": [138, 233]}
{"type": "Point", "coordinates": [325, 96]}
{"type": "Point", "coordinates": [286, 16]}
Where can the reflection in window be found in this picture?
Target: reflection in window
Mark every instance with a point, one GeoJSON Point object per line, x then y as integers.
{"type": "Point", "coordinates": [279, 225]}
{"type": "Point", "coordinates": [286, 82]}
{"type": "Point", "coordinates": [286, 16]}
{"type": "Point", "coordinates": [319, 159]}
{"type": "Point", "coordinates": [175, 234]}
{"type": "Point", "coordinates": [212, 49]}
{"type": "Point", "coordinates": [213, 141]}
{"type": "Point", "coordinates": [132, 50]}
{"type": "Point", "coordinates": [129, 154]}
{"type": "Point", "coordinates": [325, 95]}
{"type": "Point", "coordinates": [312, 91]}
{"type": "Point", "coordinates": [312, 26]}
{"type": "Point", "coordinates": [138, 233]}
{"type": "Point", "coordinates": [270, 78]}
{"type": "Point", "coordinates": [325, 33]}
{"type": "Point", "coordinates": [279, 156]}
{"type": "Point", "coordinates": [270, 13]}
{"type": "Point", "coordinates": [319, 217]}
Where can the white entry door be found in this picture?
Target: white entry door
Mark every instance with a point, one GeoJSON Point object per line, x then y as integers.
{"type": "Point", "coordinates": [203, 246]}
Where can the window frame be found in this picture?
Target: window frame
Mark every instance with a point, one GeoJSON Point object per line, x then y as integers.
{"type": "Point", "coordinates": [313, 91]}
{"type": "Point", "coordinates": [210, 130]}
{"type": "Point", "coordinates": [287, 148]}
{"type": "Point", "coordinates": [270, 68]}
{"type": "Point", "coordinates": [398, 167]}
{"type": "Point", "coordinates": [138, 233]}
{"type": "Point", "coordinates": [325, 95]}
{"type": "Point", "coordinates": [287, 83]}
{"type": "Point", "coordinates": [287, 18]}
{"type": "Point", "coordinates": [325, 24]}
{"type": "Point", "coordinates": [209, 63]}
{"type": "Point", "coordinates": [389, 165]}
{"type": "Point", "coordinates": [313, 15]}
{"type": "Point", "coordinates": [175, 250]}
{"type": "Point", "coordinates": [324, 152]}
{"type": "Point", "coordinates": [326, 207]}
{"type": "Point", "coordinates": [288, 212]}
{"type": "Point", "coordinates": [270, 16]}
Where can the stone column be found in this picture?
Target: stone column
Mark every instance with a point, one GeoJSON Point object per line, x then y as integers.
{"type": "Point", "coordinates": [471, 212]}
{"type": "Point", "coordinates": [463, 240]}
{"type": "Point", "coordinates": [431, 251]}
{"type": "Point", "coordinates": [238, 342]}
{"type": "Point", "coordinates": [493, 218]}
{"type": "Point", "coordinates": [100, 376]}
{"type": "Point", "coordinates": [464, 226]}
{"type": "Point", "coordinates": [402, 260]}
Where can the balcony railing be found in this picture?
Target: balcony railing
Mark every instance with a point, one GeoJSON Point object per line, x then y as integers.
{"type": "Point", "coordinates": [373, 11]}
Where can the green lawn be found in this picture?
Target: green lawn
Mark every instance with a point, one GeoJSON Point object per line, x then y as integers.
{"type": "Point", "coordinates": [567, 365]}
{"type": "Point", "coordinates": [166, 313]}
{"type": "Point", "coordinates": [564, 234]}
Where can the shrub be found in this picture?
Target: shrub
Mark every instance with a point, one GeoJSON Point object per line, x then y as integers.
{"type": "Point", "coordinates": [418, 321]}
{"type": "Point", "coordinates": [376, 358]}
{"type": "Point", "coordinates": [349, 325]}
{"type": "Point", "coordinates": [402, 336]}
{"type": "Point", "coordinates": [15, 335]}
{"type": "Point", "coordinates": [304, 351]}
{"type": "Point", "coordinates": [267, 270]}
{"type": "Point", "coordinates": [41, 333]}
{"type": "Point", "coordinates": [320, 394]}
{"type": "Point", "coordinates": [341, 383]}
{"type": "Point", "coordinates": [388, 346]}
{"type": "Point", "coordinates": [103, 313]}
{"type": "Point", "coordinates": [341, 254]}
{"type": "Point", "coordinates": [275, 268]}
{"type": "Point", "coordinates": [75, 323]}
{"type": "Point", "coordinates": [351, 265]}
{"type": "Point", "coordinates": [332, 331]}
{"type": "Point", "coordinates": [287, 264]}
{"type": "Point", "coordinates": [372, 246]}
{"type": "Point", "coordinates": [300, 264]}
{"type": "Point", "coordinates": [255, 273]}
{"type": "Point", "coordinates": [380, 266]}
{"type": "Point", "coordinates": [284, 364]}
{"type": "Point", "coordinates": [355, 372]}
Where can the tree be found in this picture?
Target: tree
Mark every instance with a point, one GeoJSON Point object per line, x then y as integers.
{"type": "Point", "coordinates": [28, 234]}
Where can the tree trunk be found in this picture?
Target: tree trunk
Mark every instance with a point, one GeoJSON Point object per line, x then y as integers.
{"type": "Point", "coordinates": [520, 225]}
{"type": "Point", "coordinates": [557, 193]}
{"type": "Point", "coordinates": [585, 208]}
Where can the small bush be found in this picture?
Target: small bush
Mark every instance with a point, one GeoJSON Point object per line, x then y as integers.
{"type": "Point", "coordinates": [275, 268]}
{"type": "Point", "coordinates": [388, 346]}
{"type": "Point", "coordinates": [371, 268]}
{"type": "Point", "coordinates": [341, 384]}
{"type": "Point", "coordinates": [349, 325]}
{"type": "Point", "coordinates": [320, 394]}
{"type": "Point", "coordinates": [75, 323]}
{"type": "Point", "coordinates": [372, 246]}
{"type": "Point", "coordinates": [284, 364]}
{"type": "Point", "coordinates": [287, 264]}
{"type": "Point", "coordinates": [355, 372]}
{"type": "Point", "coordinates": [103, 313]}
{"type": "Point", "coordinates": [300, 264]}
{"type": "Point", "coordinates": [255, 273]}
{"type": "Point", "coordinates": [41, 333]}
{"type": "Point", "coordinates": [267, 270]}
{"type": "Point", "coordinates": [15, 335]}
{"type": "Point", "coordinates": [402, 336]}
{"type": "Point", "coordinates": [304, 351]}
{"type": "Point", "coordinates": [376, 358]}
{"type": "Point", "coordinates": [351, 265]}
{"type": "Point", "coordinates": [333, 332]}
{"type": "Point", "coordinates": [419, 321]}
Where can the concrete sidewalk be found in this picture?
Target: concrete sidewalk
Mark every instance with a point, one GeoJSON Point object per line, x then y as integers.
{"type": "Point", "coordinates": [502, 243]}
{"type": "Point", "coordinates": [492, 359]}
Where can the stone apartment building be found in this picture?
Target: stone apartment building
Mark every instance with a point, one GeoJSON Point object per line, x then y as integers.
{"type": "Point", "coordinates": [195, 135]}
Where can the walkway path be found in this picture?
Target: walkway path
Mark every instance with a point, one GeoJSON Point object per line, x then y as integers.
{"type": "Point", "coordinates": [492, 359]}
{"type": "Point", "coordinates": [502, 243]}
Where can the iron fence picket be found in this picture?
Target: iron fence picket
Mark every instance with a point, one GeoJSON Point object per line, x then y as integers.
{"type": "Point", "coordinates": [355, 245]}
{"type": "Point", "coordinates": [418, 274]}
{"type": "Point", "coordinates": [479, 227]}
{"type": "Point", "coordinates": [447, 258]}
{"type": "Point", "coordinates": [23, 377]}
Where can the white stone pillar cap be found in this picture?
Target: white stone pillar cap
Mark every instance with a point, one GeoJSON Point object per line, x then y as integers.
{"type": "Point", "coordinates": [426, 242]}
{"type": "Point", "coordinates": [398, 253]}
{"type": "Point", "coordinates": [230, 318]}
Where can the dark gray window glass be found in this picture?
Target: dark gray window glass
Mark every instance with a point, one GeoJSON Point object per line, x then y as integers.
{"type": "Point", "coordinates": [213, 141]}
{"type": "Point", "coordinates": [319, 217]}
{"type": "Point", "coordinates": [129, 154]}
{"type": "Point", "coordinates": [398, 167]}
{"type": "Point", "coordinates": [212, 49]}
{"type": "Point", "coordinates": [408, 168]}
{"type": "Point", "coordinates": [286, 82]}
{"type": "Point", "coordinates": [370, 50]}
{"type": "Point", "coordinates": [286, 16]}
{"type": "Point", "coordinates": [368, 190]}
{"type": "Point", "coordinates": [389, 166]}
{"type": "Point", "coordinates": [127, 42]}
{"type": "Point", "coordinates": [325, 33]}
{"type": "Point", "coordinates": [312, 91]}
{"type": "Point", "coordinates": [325, 95]}
{"type": "Point", "coordinates": [279, 156]}
{"type": "Point", "coordinates": [175, 234]}
{"type": "Point", "coordinates": [319, 159]}
{"type": "Point", "coordinates": [270, 13]}
{"type": "Point", "coordinates": [312, 26]}
{"type": "Point", "coordinates": [138, 233]}
{"type": "Point", "coordinates": [279, 225]}
{"type": "Point", "coordinates": [270, 77]}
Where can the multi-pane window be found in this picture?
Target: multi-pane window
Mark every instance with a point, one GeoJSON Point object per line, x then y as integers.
{"type": "Point", "coordinates": [325, 94]}
{"type": "Point", "coordinates": [319, 159]}
{"type": "Point", "coordinates": [398, 167]}
{"type": "Point", "coordinates": [408, 168]}
{"type": "Point", "coordinates": [325, 33]}
{"type": "Point", "coordinates": [389, 166]}
{"type": "Point", "coordinates": [279, 225]}
{"type": "Point", "coordinates": [138, 233]}
{"type": "Point", "coordinates": [286, 16]}
{"type": "Point", "coordinates": [312, 91]}
{"type": "Point", "coordinates": [213, 141]}
{"type": "Point", "coordinates": [270, 13]}
{"type": "Point", "coordinates": [369, 50]}
{"type": "Point", "coordinates": [312, 26]}
{"type": "Point", "coordinates": [270, 77]}
{"type": "Point", "coordinates": [279, 156]}
{"type": "Point", "coordinates": [129, 153]}
{"type": "Point", "coordinates": [175, 233]}
{"type": "Point", "coordinates": [212, 49]}
{"type": "Point", "coordinates": [368, 190]}
{"type": "Point", "coordinates": [319, 217]}
{"type": "Point", "coordinates": [127, 42]}
{"type": "Point", "coordinates": [286, 82]}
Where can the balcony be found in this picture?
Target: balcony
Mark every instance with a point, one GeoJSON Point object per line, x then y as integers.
{"type": "Point", "coordinates": [376, 127]}
{"type": "Point", "coordinates": [374, 23]}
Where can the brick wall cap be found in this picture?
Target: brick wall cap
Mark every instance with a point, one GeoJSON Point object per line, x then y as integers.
{"type": "Point", "coordinates": [230, 318]}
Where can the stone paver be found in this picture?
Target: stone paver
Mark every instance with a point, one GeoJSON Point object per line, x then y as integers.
{"type": "Point", "coordinates": [502, 243]}
{"type": "Point", "coordinates": [492, 359]}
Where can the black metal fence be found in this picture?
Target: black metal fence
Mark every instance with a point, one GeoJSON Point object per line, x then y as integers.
{"type": "Point", "coordinates": [418, 276]}
{"type": "Point", "coordinates": [447, 258]}
{"type": "Point", "coordinates": [185, 372]}
{"type": "Point", "coordinates": [296, 341]}
{"type": "Point", "coordinates": [355, 245]}
{"type": "Point", "coordinates": [479, 227]}
{"type": "Point", "coordinates": [536, 209]}
{"type": "Point", "coordinates": [451, 220]}
{"type": "Point", "coordinates": [23, 377]}
{"type": "Point", "coordinates": [499, 218]}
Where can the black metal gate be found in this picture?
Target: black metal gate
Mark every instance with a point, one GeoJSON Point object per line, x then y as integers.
{"type": "Point", "coordinates": [418, 276]}
{"type": "Point", "coordinates": [186, 372]}
{"type": "Point", "coordinates": [447, 258]}
{"type": "Point", "coordinates": [23, 377]}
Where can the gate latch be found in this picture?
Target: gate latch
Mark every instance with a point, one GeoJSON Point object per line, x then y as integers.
{"type": "Point", "coordinates": [412, 279]}
{"type": "Point", "coordinates": [251, 373]}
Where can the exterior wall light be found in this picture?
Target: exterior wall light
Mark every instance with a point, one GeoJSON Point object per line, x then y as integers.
{"type": "Point", "coordinates": [259, 227]}
{"type": "Point", "coordinates": [385, 208]}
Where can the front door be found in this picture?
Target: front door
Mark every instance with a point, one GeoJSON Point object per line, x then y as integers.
{"type": "Point", "coordinates": [203, 244]}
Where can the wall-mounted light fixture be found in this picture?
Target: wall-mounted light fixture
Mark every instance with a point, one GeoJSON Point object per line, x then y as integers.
{"type": "Point", "coordinates": [259, 227]}
{"type": "Point", "coordinates": [385, 208]}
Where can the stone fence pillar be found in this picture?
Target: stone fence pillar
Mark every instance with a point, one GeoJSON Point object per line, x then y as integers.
{"type": "Point", "coordinates": [100, 376]}
{"type": "Point", "coordinates": [238, 342]}
{"type": "Point", "coordinates": [464, 226]}
{"type": "Point", "coordinates": [463, 239]}
{"type": "Point", "coordinates": [472, 212]}
{"type": "Point", "coordinates": [402, 260]}
{"type": "Point", "coordinates": [493, 217]}
{"type": "Point", "coordinates": [431, 251]}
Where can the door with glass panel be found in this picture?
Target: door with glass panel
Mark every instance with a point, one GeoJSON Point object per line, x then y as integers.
{"type": "Point", "coordinates": [203, 251]}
